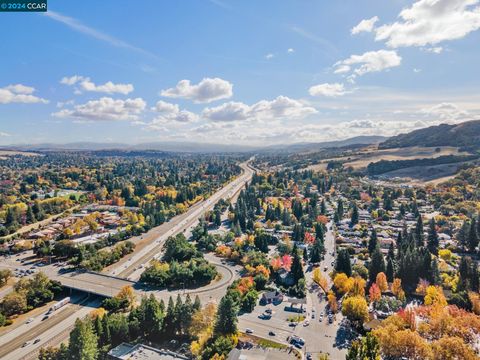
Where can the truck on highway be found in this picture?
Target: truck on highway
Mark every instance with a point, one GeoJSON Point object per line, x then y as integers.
{"type": "Point", "coordinates": [58, 305]}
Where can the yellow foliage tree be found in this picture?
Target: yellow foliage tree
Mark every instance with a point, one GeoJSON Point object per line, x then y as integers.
{"type": "Point", "coordinates": [381, 281]}
{"type": "Point", "coordinates": [434, 296]}
{"type": "Point", "coordinates": [355, 308]}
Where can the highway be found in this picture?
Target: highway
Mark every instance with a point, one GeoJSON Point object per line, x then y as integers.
{"type": "Point", "coordinates": [111, 281]}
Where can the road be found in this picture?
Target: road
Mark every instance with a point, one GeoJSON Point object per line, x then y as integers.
{"type": "Point", "coordinates": [319, 336]}
{"type": "Point", "coordinates": [58, 326]}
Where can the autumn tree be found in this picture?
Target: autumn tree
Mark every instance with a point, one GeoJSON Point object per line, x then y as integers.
{"type": "Point", "coordinates": [381, 281]}
{"type": "Point", "coordinates": [355, 308]}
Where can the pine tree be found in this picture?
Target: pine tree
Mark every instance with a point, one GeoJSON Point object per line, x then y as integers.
{"type": "Point", "coordinates": [472, 236]}
{"type": "Point", "coordinates": [197, 305]}
{"type": "Point", "coordinates": [226, 322]}
{"type": "Point", "coordinates": [377, 264]}
{"type": "Point", "coordinates": [373, 242]}
{"type": "Point", "coordinates": [390, 272]}
{"type": "Point", "coordinates": [432, 239]}
{"type": "Point", "coordinates": [354, 218]}
{"type": "Point", "coordinates": [83, 341]}
{"type": "Point", "coordinates": [296, 269]}
{"type": "Point", "coordinates": [343, 264]}
{"type": "Point", "coordinates": [316, 251]}
{"type": "Point", "coordinates": [419, 232]}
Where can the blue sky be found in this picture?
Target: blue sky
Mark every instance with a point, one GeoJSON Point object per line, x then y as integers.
{"type": "Point", "coordinates": [236, 71]}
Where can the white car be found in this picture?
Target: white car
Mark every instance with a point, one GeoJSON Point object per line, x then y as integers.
{"type": "Point", "coordinates": [249, 331]}
{"type": "Point", "coordinates": [29, 320]}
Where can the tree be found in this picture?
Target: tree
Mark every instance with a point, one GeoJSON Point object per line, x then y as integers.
{"type": "Point", "coordinates": [377, 264]}
{"type": "Point", "coordinates": [472, 236]}
{"type": "Point", "coordinates": [419, 232]}
{"type": "Point", "coordinates": [373, 242]}
{"type": "Point", "coordinates": [381, 281]}
{"type": "Point", "coordinates": [355, 308]}
{"type": "Point", "coordinates": [14, 303]}
{"type": "Point", "coordinates": [397, 289]}
{"type": "Point", "coordinates": [5, 274]}
{"type": "Point", "coordinates": [226, 322]}
{"type": "Point", "coordinates": [342, 283]}
{"type": "Point", "coordinates": [296, 269]}
{"type": "Point", "coordinates": [374, 293]}
{"type": "Point", "coordinates": [432, 238]}
{"type": "Point", "coordinates": [434, 296]}
{"type": "Point", "coordinates": [366, 348]}
{"type": "Point", "coordinates": [83, 341]}
{"type": "Point", "coordinates": [390, 272]}
{"type": "Point", "coordinates": [319, 279]}
{"type": "Point", "coordinates": [316, 251]}
{"type": "Point", "coordinates": [354, 218]}
{"type": "Point", "coordinates": [332, 302]}
{"type": "Point", "coordinates": [343, 264]}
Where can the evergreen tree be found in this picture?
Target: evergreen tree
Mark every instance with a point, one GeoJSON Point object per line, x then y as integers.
{"type": "Point", "coordinates": [373, 242]}
{"type": "Point", "coordinates": [226, 322]}
{"type": "Point", "coordinates": [343, 264]}
{"type": "Point", "coordinates": [197, 305]}
{"type": "Point", "coordinates": [377, 264]}
{"type": "Point", "coordinates": [432, 239]}
{"type": "Point", "coordinates": [83, 341]}
{"type": "Point", "coordinates": [366, 348]}
{"type": "Point", "coordinates": [296, 269]}
{"type": "Point", "coordinates": [390, 272]}
{"type": "Point", "coordinates": [316, 251]}
{"type": "Point", "coordinates": [354, 218]}
{"type": "Point", "coordinates": [472, 236]}
{"type": "Point", "coordinates": [419, 238]}
{"type": "Point", "coordinates": [323, 208]}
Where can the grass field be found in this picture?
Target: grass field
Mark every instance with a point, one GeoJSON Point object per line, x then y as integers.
{"type": "Point", "coordinates": [410, 153]}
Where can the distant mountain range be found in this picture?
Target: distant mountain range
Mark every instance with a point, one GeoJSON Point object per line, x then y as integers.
{"type": "Point", "coordinates": [465, 135]}
{"type": "Point", "coordinates": [192, 147]}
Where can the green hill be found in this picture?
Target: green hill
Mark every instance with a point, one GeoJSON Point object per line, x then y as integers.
{"type": "Point", "coordinates": [465, 135]}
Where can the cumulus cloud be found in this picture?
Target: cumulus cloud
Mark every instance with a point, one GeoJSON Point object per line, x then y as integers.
{"type": "Point", "coordinates": [105, 109]}
{"type": "Point", "coordinates": [279, 108]}
{"type": "Point", "coordinates": [429, 22]}
{"type": "Point", "coordinates": [4, 134]}
{"type": "Point", "coordinates": [371, 61]}
{"type": "Point", "coordinates": [85, 84]}
{"type": "Point", "coordinates": [171, 112]}
{"type": "Point", "coordinates": [329, 90]}
{"type": "Point", "coordinates": [206, 91]}
{"type": "Point", "coordinates": [446, 111]}
{"type": "Point", "coordinates": [19, 93]}
{"type": "Point", "coordinates": [434, 50]}
{"type": "Point", "coordinates": [290, 50]}
{"type": "Point", "coordinates": [269, 56]}
{"type": "Point", "coordinates": [365, 25]}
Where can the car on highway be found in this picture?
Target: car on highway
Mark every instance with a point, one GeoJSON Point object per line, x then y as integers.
{"type": "Point", "coordinates": [45, 317]}
{"type": "Point", "coordinates": [26, 343]}
{"type": "Point", "coordinates": [36, 341]}
{"type": "Point", "coordinates": [29, 320]}
{"type": "Point", "coordinates": [271, 333]}
{"type": "Point", "coordinates": [249, 331]}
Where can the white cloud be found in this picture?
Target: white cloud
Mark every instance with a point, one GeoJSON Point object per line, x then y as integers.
{"type": "Point", "coordinates": [105, 109]}
{"type": "Point", "coordinates": [4, 134]}
{"type": "Point", "coordinates": [171, 112]}
{"type": "Point", "coordinates": [434, 50]}
{"type": "Point", "coordinates": [290, 50]}
{"type": "Point", "coordinates": [446, 111]}
{"type": "Point", "coordinates": [86, 84]}
{"type": "Point", "coordinates": [429, 22]}
{"type": "Point", "coordinates": [207, 90]}
{"type": "Point", "coordinates": [415, 70]}
{"type": "Point", "coordinates": [365, 25]}
{"type": "Point", "coordinates": [280, 108]}
{"type": "Point", "coordinates": [269, 56]}
{"type": "Point", "coordinates": [19, 93]}
{"type": "Point", "coordinates": [371, 61]}
{"type": "Point", "coordinates": [326, 89]}
{"type": "Point", "coordinates": [363, 124]}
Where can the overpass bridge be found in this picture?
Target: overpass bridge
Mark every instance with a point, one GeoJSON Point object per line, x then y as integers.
{"type": "Point", "coordinates": [93, 283]}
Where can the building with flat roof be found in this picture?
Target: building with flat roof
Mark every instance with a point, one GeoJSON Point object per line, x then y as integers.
{"type": "Point", "coordinates": [126, 351]}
